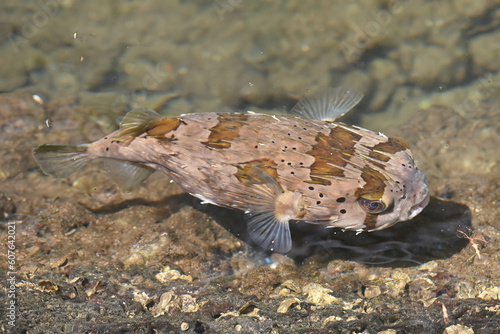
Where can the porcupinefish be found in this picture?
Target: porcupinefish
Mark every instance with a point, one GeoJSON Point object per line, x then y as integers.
{"type": "Point", "coordinates": [301, 166]}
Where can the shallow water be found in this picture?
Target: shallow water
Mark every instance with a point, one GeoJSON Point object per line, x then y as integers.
{"type": "Point", "coordinates": [91, 254]}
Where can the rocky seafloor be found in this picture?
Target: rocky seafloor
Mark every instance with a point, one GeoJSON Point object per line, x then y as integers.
{"type": "Point", "coordinates": [90, 258]}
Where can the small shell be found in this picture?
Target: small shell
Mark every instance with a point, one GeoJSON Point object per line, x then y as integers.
{"type": "Point", "coordinates": [287, 303]}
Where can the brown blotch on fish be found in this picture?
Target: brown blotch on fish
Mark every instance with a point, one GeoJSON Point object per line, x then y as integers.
{"type": "Point", "coordinates": [370, 221]}
{"type": "Point", "coordinates": [247, 172]}
{"type": "Point", "coordinates": [318, 180]}
{"type": "Point", "coordinates": [384, 151]}
{"type": "Point", "coordinates": [162, 127]}
{"type": "Point", "coordinates": [374, 186]}
{"type": "Point", "coordinates": [226, 130]}
{"type": "Point", "coordinates": [332, 152]}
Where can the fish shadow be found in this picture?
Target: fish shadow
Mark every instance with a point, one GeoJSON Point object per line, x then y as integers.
{"type": "Point", "coordinates": [432, 235]}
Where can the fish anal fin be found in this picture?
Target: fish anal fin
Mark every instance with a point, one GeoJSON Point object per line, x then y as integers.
{"type": "Point", "coordinates": [127, 175]}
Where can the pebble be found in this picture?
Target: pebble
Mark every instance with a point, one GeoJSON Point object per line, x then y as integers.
{"type": "Point", "coordinates": [319, 295]}
{"type": "Point", "coordinates": [458, 329]}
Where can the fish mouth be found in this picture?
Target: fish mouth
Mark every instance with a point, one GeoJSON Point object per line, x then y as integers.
{"type": "Point", "coordinates": [417, 208]}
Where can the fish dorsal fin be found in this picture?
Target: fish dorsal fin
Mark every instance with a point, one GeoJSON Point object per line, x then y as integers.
{"type": "Point", "coordinates": [138, 121]}
{"type": "Point", "coordinates": [127, 175]}
{"type": "Point", "coordinates": [270, 211]}
{"type": "Point", "coordinates": [328, 104]}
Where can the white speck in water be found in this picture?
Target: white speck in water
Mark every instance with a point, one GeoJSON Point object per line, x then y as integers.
{"type": "Point", "coordinates": [37, 99]}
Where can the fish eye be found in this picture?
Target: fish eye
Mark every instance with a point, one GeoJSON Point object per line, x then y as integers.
{"type": "Point", "coordinates": [372, 206]}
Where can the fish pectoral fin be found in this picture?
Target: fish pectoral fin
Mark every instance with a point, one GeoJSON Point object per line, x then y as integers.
{"type": "Point", "coordinates": [261, 186]}
{"type": "Point", "coordinates": [127, 175]}
{"type": "Point", "coordinates": [137, 121]}
{"type": "Point", "coordinates": [270, 209]}
{"type": "Point", "coordinates": [328, 104]}
{"type": "Point", "coordinates": [61, 160]}
{"type": "Point", "coordinates": [268, 231]}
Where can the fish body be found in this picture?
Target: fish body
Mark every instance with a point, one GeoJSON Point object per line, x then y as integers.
{"type": "Point", "coordinates": [276, 168]}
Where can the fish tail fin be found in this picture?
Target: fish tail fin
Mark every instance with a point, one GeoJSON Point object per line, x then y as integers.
{"type": "Point", "coordinates": [61, 160]}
